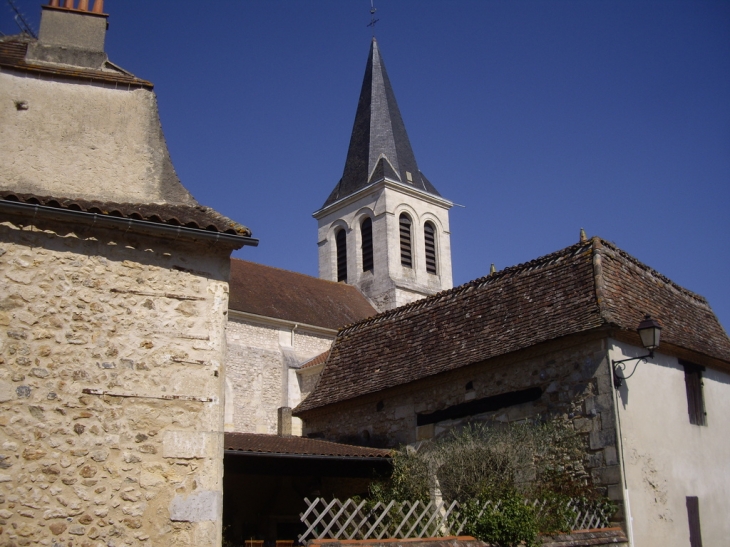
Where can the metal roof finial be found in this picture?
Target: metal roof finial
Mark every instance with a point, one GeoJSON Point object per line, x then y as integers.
{"type": "Point", "coordinates": [373, 20]}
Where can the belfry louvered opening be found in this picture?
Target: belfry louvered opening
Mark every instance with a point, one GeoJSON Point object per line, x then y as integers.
{"type": "Point", "coordinates": [341, 243]}
{"type": "Point", "coordinates": [406, 248]}
{"type": "Point", "coordinates": [366, 233]}
{"type": "Point", "coordinates": [429, 236]}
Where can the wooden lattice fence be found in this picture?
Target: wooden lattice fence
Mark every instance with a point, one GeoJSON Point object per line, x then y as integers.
{"type": "Point", "coordinates": [360, 519]}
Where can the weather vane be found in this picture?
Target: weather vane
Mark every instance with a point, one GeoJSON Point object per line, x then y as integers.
{"type": "Point", "coordinates": [373, 20]}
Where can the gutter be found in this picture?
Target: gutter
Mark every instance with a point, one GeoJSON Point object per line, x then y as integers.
{"type": "Point", "coordinates": [143, 227]}
{"type": "Point", "coordinates": [275, 321]}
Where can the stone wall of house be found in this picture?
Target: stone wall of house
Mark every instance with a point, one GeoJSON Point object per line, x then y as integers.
{"type": "Point", "coordinates": [575, 383]}
{"type": "Point", "coordinates": [111, 366]}
{"type": "Point", "coordinates": [259, 364]}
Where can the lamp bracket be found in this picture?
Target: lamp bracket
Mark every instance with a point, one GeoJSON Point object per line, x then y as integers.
{"type": "Point", "coordinates": [618, 380]}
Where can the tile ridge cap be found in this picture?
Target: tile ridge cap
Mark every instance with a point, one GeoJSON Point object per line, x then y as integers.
{"type": "Point", "coordinates": [619, 253]}
{"type": "Point", "coordinates": [599, 283]}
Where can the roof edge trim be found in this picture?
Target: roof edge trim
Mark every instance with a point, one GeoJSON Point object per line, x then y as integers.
{"type": "Point", "coordinates": [388, 183]}
{"type": "Point", "coordinates": [143, 227]}
{"type": "Point", "coordinates": [234, 452]}
{"type": "Point", "coordinates": [274, 321]}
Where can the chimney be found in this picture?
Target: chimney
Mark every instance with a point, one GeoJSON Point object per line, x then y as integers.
{"type": "Point", "coordinates": [71, 35]}
{"type": "Point", "coordinates": [284, 421]}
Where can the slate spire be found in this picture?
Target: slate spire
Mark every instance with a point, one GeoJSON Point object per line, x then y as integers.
{"type": "Point", "coordinates": [379, 145]}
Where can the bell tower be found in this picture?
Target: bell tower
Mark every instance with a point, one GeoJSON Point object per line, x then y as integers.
{"type": "Point", "coordinates": [384, 228]}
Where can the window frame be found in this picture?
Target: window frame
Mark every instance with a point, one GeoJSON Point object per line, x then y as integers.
{"type": "Point", "coordinates": [694, 384]}
{"type": "Point", "coordinates": [341, 254]}
{"type": "Point", "coordinates": [366, 245]}
{"type": "Point", "coordinates": [406, 240]}
{"type": "Point", "coordinates": [432, 263]}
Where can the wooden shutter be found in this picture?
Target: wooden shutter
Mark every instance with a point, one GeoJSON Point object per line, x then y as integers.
{"type": "Point", "coordinates": [366, 232]}
{"type": "Point", "coordinates": [406, 254]}
{"type": "Point", "coordinates": [695, 398]}
{"type": "Point", "coordinates": [429, 233]}
{"type": "Point", "coordinates": [693, 516]}
{"type": "Point", "coordinates": [341, 242]}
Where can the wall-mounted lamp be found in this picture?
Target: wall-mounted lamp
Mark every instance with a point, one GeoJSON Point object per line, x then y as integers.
{"type": "Point", "coordinates": [650, 332]}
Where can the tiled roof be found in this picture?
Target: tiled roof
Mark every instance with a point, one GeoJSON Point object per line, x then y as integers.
{"type": "Point", "coordinates": [577, 289]}
{"type": "Point", "coordinates": [378, 133]}
{"type": "Point", "coordinates": [257, 443]}
{"type": "Point", "coordinates": [12, 55]}
{"type": "Point", "coordinates": [190, 216]}
{"type": "Point", "coordinates": [271, 292]}
{"type": "Point", "coordinates": [321, 358]}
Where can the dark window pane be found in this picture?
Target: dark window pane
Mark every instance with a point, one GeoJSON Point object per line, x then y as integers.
{"type": "Point", "coordinates": [693, 515]}
{"type": "Point", "coordinates": [429, 233]}
{"type": "Point", "coordinates": [406, 255]}
{"type": "Point", "coordinates": [341, 242]}
{"type": "Point", "coordinates": [366, 232]}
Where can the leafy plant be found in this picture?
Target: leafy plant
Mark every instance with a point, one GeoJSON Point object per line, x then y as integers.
{"type": "Point", "coordinates": [507, 522]}
{"type": "Point", "coordinates": [503, 463]}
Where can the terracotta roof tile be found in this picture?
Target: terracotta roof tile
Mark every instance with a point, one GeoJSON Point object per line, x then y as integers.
{"type": "Point", "coordinates": [271, 292]}
{"type": "Point", "coordinates": [274, 444]}
{"type": "Point", "coordinates": [190, 216]}
{"type": "Point", "coordinates": [541, 300]}
{"type": "Point", "coordinates": [12, 55]}
{"type": "Point", "coordinates": [321, 358]}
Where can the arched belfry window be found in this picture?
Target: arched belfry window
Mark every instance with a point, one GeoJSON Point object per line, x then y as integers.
{"type": "Point", "coordinates": [341, 243]}
{"type": "Point", "coordinates": [366, 233]}
{"type": "Point", "coordinates": [406, 248]}
{"type": "Point", "coordinates": [429, 237]}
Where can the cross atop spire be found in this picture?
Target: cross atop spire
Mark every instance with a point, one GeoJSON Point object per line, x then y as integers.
{"type": "Point", "coordinates": [379, 145]}
{"type": "Point", "coordinates": [373, 20]}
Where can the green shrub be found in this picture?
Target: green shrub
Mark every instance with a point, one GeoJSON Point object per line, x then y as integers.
{"type": "Point", "coordinates": [506, 524]}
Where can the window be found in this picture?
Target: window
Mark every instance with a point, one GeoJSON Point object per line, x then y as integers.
{"type": "Point", "coordinates": [406, 255]}
{"type": "Point", "coordinates": [341, 242]}
{"type": "Point", "coordinates": [366, 232]}
{"type": "Point", "coordinates": [695, 398]}
{"type": "Point", "coordinates": [429, 235]}
{"type": "Point", "coordinates": [693, 516]}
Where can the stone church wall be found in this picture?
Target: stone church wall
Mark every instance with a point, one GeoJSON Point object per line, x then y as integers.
{"type": "Point", "coordinates": [111, 368]}
{"type": "Point", "coordinates": [575, 384]}
{"type": "Point", "coordinates": [259, 374]}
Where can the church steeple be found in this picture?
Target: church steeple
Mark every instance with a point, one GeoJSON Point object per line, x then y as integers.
{"type": "Point", "coordinates": [379, 145]}
{"type": "Point", "coordinates": [384, 228]}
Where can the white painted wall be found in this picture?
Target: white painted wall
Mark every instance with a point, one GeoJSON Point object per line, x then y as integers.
{"type": "Point", "coordinates": [666, 458]}
{"type": "Point", "coordinates": [390, 284]}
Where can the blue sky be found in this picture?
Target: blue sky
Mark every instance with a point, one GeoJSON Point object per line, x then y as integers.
{"type": "Point", "coordinates": [539, 117]}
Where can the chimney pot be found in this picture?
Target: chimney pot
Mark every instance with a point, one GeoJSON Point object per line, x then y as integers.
{"type": "Point", "coordinates": [83, 5]}
{"type": "Point", "coordinates": [98, 6]}
{"type": "Point", "coordinates": [69, 4]}
{"type": "Point", "coordinates": [55, 3]}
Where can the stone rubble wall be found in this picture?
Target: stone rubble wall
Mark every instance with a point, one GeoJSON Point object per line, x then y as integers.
{"type": "Point", "coordinates": [110, 312]}
{"type": "Point", "coordinates": [576, 386]}
{"type": "Point", "coordinates": [259, 359]}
